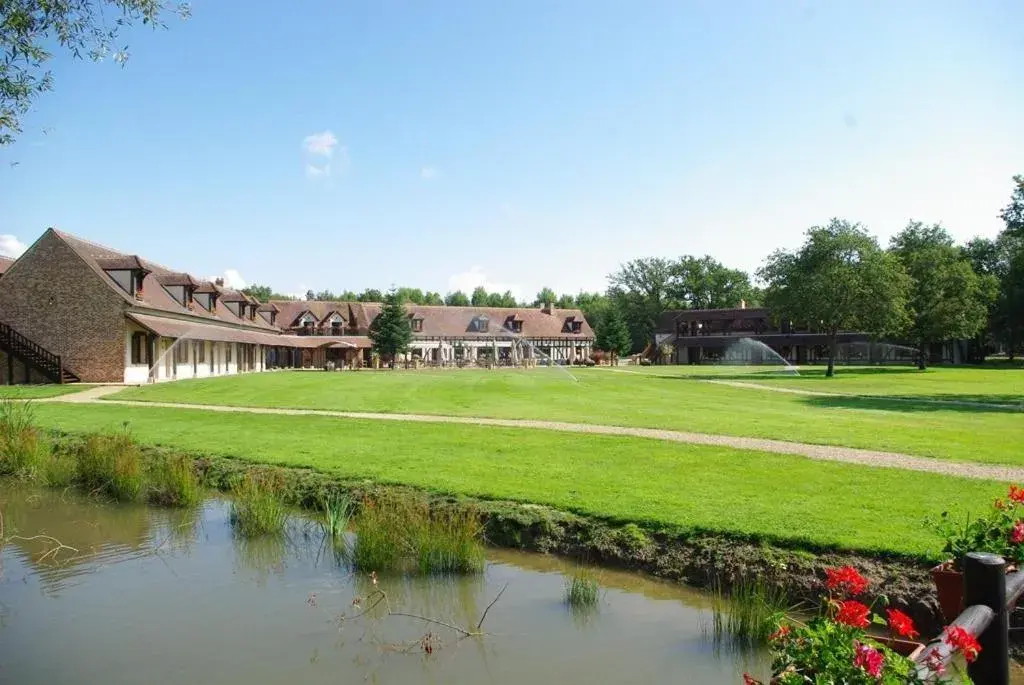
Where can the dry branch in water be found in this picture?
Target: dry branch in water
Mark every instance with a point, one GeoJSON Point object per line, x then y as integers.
{"type": "Point", "coordinates": [429, 642]}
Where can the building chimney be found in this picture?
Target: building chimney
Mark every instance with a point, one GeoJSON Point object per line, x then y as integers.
{"type": "Point", "coordinates": [219, 282]}
{"type": "Point", "coordinates": [743, 304]}
{"type": "Point", "coordinates": [546, 308]}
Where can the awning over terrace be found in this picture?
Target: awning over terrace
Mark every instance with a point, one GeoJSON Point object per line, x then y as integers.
{"type": "Point", "coordinates": [183, 328]}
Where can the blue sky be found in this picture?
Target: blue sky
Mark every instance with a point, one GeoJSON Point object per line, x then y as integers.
{"type": "Point", "coordinates": [519, 144]}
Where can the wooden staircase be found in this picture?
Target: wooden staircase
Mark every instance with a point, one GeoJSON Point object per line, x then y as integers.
{"type": "Point", "coordinates": [34, 356]}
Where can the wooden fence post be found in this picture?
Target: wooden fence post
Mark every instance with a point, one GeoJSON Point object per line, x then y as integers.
{"type": "Point", "coordinates": [985, 584]}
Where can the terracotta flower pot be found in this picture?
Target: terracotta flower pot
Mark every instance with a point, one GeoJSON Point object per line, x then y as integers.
{"type": "Point", "coordinates": [949, 585]}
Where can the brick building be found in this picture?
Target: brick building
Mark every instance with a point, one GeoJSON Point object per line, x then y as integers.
{"type": "Point", "coordinates": [74, 310]}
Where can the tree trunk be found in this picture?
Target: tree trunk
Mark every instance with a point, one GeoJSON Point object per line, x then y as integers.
{"type": "Point", "coordinates": [922, 346]}
{"type": "Point", "coordinates": [831, 371]}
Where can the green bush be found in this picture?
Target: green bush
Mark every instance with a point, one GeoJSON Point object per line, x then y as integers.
{"type": "Point", "coordinates": [172, 482]}
{"type": "Point", "coordinates": [22, 452]}
{"type": "Point", "coordinates": [257, 508]}
{"type": "Point", "coordinates": [111, 465]}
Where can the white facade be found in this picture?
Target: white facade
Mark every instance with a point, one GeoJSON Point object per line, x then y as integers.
{"type": "Point", "coordinates": [178, 359]}
{"type": "Point", "coordinates": [519, 349]}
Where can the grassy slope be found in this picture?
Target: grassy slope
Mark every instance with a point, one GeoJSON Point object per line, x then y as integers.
{"type": "Point", "coordinates": [707, 488]}
{"type": "Point", "coordinates": [602, 396]}
{"type": "Point", "coordinates": [36, 392]}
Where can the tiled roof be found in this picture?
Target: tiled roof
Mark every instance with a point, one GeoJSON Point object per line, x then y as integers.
{"type": "Point", "coordinates": [5, 263]}
{"type": "Point", "coordinates": [445, 321]}
{"type": "Point", "coordinates": [154, 296]}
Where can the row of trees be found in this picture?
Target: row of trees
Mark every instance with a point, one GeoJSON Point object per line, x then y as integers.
{"type": "Point", "coordinates": [922, 288]}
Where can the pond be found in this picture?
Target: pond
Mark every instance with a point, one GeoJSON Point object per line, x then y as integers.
{"type": "Point", "coordinates": [160, 596]}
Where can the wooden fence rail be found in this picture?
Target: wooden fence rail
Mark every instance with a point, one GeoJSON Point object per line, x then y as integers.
{"type": "Point", "coordinates": [989, 595]}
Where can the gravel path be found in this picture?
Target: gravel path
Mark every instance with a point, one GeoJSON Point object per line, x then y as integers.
{"type": "Point", "coordinates": [819, 452]}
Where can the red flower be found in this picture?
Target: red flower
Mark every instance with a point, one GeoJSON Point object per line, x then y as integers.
{"type": "Point", "coordinates": [1016, 494]}
{"type": "Point", "coordinates": [747, 680]}
{"type": "Point", "coordinates": [902, 624]}
{"type": "Point", "coordinates": [958, 638]}
{"type": "Point", "coordinates": [869, 660]}
{"type": "Point", "coordinates": [846, 579]}
{"type": "Point", "coordinates": [1017, 534]}
{"type": "Point", "coordinates": [933, 662]}
{"type": "Point", "coordinates": [779, 634]}
{"type": "Point", "coordinates": [853, 614]}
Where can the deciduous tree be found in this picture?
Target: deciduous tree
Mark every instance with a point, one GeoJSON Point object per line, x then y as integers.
{"type": "Point", "coordinates": [456, 299]}
{"type": "Point", "coordinates": [545, 296]}
{"type": "Point", "coordinates": [947, 299]}
{"type": "Point", "coordinates": [839, 280]}
{"type": "Point", "coordinates": [641, 288]}
{"type": "Point", "coordinates": [31, 29]}
{"type": "Point", "coordinates": [706, 283]}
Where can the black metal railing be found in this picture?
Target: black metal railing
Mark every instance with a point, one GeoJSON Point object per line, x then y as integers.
{"type": "Point", "coordinates": [990, 593]}
{"type": "Point", "coordinates": [32, 355]}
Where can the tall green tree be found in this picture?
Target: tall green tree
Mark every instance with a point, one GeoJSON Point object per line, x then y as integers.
{"type": "Point", "coordinates": [545, 296]}
{"type": "Point", "coordinates": [412, 295]}
{"type": "Point", "coordinates": [371, 295]}
{"type": "Point", "coordinates": [948, 300]}
{"type": "Point", "coordinates": [593, 305]}
{"type": "Point", "coordinates": [706, 283]}
{"type": "Point", "coordinates": [565, 302]}
{"type": "Point", "coordinates": [612, 334]}
{"type": "Point", "coordinates": [31, 29]}
{"type": "Point", "coordinates": [263, 293]}
{"type": "Point", "coordinates": [1013, 213]}
{"type": "Point", "coordinates": [839, 280]}
{"type": "Point", "coordinates": [641, 288]}
{"type": "Point", "coordinates": [479, 297]}
{"type": "Point", "coordinates": [505, 299]}
{"type": "Point", "coordinates": [456, 299]}
{"type": "Point", "coordinates": [391, 331]}
{"type": "Point", "coordinates": [433, 298]}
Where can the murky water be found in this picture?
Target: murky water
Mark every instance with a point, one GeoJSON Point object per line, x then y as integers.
{"type": "Point", "coordinates": [153, 596]}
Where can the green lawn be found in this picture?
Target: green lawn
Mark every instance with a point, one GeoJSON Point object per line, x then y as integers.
{"type": "Point", "coordinates": [744, 493]}
{"type": "Point", "coordinates": [38, 392]}
{"type": "Point", "coordinates": [1001, 384]}
{"type": "Point", "coordinates": [674, 399]}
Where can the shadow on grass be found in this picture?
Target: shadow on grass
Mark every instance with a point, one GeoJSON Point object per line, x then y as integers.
{"type": "Point", "coordinates": [975, 404]}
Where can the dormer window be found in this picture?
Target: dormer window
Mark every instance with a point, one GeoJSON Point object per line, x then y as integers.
{"type": "Point", "coordinates": [417, 324]}
{"type": "Point", "coordinates": [572, 325]}
{"type": "Point", "coordinates": [514, 324]}
{"type": "Point", "coordinates": [481, 323]}
{"type": "Point", "coordinates": [128, 272]}
{"type": "Point", "coordinates": [207, 301]}
{"type": "Point", "coordinates": [252, 311]}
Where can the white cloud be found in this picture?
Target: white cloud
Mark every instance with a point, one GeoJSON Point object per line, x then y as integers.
{"type": "Point", "coordinates": [323, 154]}
{"type": "Point", "coordinates": [429, 173]}
{"type": "Point", "coordinates": [232, 279]}
{"type": "Point", "coordinates": [321, 144]}
{"type": "Point", "coordinates": [10, 246]}
{"type": "Point", "coordinates": [468, 281]}
{"type": "Point", "coordinates": [314, 171]}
